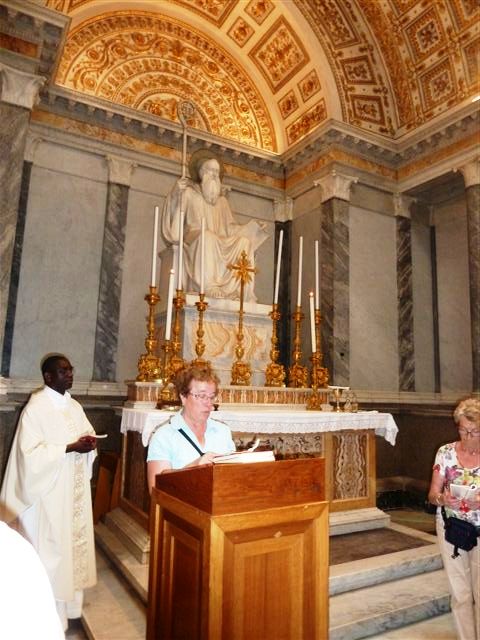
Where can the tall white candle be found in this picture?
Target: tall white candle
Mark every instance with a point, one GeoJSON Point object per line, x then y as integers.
{"type": "Point", "coordinates": [299, 283]}
{"type": "Point", "coordinates": [180, 248]}
{"type": "Point", "coordinates": [202, 257]}
{"type": "Point", "coordinates": [312, 323]}
{"type": "Point", "coordinates": [153, 278]}
{"type": "Point", "coordinates": [168, 325]}
{"type": "Point", "coordinates": [317, 297]}
{"type": "Point", "coordinates": [279, 260]}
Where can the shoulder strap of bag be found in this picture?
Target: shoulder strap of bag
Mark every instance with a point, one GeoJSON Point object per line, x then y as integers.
{"type": "Point", "coordinates": [187, 437]}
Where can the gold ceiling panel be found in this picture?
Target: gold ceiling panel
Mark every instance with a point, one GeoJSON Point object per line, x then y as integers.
{"type": "Point", "coordinates": [149, 62]}
{"type": "Point", "coordinates": [216, 11]}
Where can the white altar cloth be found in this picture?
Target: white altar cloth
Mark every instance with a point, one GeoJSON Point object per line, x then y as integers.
{"type": "Point", "coordinates": [267, 420]}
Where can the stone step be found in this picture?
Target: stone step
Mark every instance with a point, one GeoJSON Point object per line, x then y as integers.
{"type": "Point", "coordinates": [359, 574]}
{"type": "Point", "coordinates": [440, 627]}
{"type": "Point", "coordinates": [111, 610]}
{"type": "Point", "coordinates": [372, 610]}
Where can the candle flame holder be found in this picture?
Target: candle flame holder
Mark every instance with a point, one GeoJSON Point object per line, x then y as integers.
{"type": "Point", "coordinates": [148, 366]}
{"type": "Point", "coordinates": [200, 345]}
{"type": "Point", "coordinates": [297, 373]}
{"type": "Point", "coordinates": [275, 372]}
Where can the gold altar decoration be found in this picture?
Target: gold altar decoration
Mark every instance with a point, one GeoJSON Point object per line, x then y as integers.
{"type": "Point", "coordinates": [149, 368]}
{"type": "Point", "coordinates": [200, 345]}
{"type": "Point", "coordinates": [241, 371]}
{"type": "Point", "coordinates": [297, 373]}
{"type": "Point", "coordinates": [168, 395]}
{"type": "Point", "coordinates": [315, 400]}
{"type": "Point", "coordinates": [320, 375]}
{"type": "Point", "coordinates": [275, 371]}
{"type": "Point", "coordinates": [176, 362]}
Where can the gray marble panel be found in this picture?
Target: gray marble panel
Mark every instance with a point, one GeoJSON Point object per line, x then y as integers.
{"type": "Point", "coordinates": [406, 354]}
{"type": "Point", "coordinates": [15, 273]}
{"type": "Point", "coordinates": [473, 222]}
{"type": "Point", "coordinates": [12, 145]}
{"type": "Point", "coordinates": [108, 312]}
{"type": "Point", "coordinates": [335, 289]}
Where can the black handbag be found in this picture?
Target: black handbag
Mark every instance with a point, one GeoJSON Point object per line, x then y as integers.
{"type": "Point", "coordinates": [460, 533]}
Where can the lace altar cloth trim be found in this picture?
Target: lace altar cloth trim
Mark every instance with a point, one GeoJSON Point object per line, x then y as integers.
{"type": "Point", "coordinates": [271, 421]}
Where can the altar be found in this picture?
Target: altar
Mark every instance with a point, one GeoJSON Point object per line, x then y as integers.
{"type": "Point", "coordinates": [345, 440]}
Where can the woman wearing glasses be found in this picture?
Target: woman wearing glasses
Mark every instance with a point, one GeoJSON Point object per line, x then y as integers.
{"type": "Point", "coordinates": [190, 437]}
{"type": "Point", "coordinates": [458, 463]}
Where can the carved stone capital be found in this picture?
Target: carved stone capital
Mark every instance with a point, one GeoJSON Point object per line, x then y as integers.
{"type": "Point", "coordinates": [402, 204]}
{"type": "Point", "coordinates": [335, 185]}
{"type": "Point", "coordinates": [470, 172]}
{"type": "Point", "coordinates": [283, 210]}
{"type": "Point", "coordinates": [18, 87]}
{"type": "Point", "coordinates": [31, 148]}
{"type": "Point", "coordinates": [120, 170]}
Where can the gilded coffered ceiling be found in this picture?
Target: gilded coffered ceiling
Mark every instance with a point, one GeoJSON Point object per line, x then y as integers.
{"type": "Point", "coordinates": [267, 73]}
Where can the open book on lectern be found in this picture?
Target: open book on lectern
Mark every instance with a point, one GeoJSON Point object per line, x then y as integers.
{"type": "Point", "coordinates": [245, 457]}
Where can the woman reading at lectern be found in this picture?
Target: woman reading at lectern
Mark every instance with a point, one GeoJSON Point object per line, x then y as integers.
{"type": "Point", "coordinates": [190, 437]}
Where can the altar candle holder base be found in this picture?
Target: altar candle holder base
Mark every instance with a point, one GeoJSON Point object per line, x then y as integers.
{"type": "Point", "coordinates": [297, 373]}
{"type": "Point", "coordinates": [275, 372]}
{"type": "Point", "coordinates": [314, 400]}
{"type": "Point", "coordinates": [168, 395]}
{"type": "Point", "coordinates": [148, 363]}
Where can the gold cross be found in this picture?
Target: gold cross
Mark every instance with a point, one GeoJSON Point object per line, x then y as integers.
{"type": "Point", "coordinates": [243, 269]}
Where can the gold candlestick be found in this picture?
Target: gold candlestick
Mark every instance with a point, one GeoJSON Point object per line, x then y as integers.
{"type": "Point", "coordinates": [200, 345]}
{"type": "Point", "coordinates": [315, 399]}
{"type": "Point", "coordinates": [318, 371]}
{"type": "Point", "coordinates": [297, 373]}
{"type": "Point", "coordinates": [176, 361]}
{"type": "Point", "coordinates": [275, 372]}
{"type": "Point", "coordinates": [241, 372]}
{"type": "Point", "coordinates": [168, 394]}
{"type": "Point", "coordinates": [149, 363]}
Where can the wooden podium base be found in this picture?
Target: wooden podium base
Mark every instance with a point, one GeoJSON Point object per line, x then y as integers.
{"type": "Point", "coordinates": [228, 571]}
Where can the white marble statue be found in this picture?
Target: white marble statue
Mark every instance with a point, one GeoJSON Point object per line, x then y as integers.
{"type": "Point", "coordinates": [203, 197]}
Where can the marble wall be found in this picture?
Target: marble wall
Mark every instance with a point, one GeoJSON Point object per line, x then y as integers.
{"type": "Point", "coordinates": [373, 300]}
{"type": "Point", "coordinates": [453, 296]}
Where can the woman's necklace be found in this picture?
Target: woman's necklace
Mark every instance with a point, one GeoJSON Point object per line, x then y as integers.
{"type": "Point", "coordinates": [473, 452]}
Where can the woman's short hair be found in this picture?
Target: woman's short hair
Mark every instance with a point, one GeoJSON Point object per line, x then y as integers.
{"type": "Point", "coordinates": [202, 373]}
{"type": "Point", "coordinates": [468, 408]}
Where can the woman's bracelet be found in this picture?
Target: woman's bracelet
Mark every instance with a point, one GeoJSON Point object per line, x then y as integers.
{"type": "Point", "coordinates": [437, 499]}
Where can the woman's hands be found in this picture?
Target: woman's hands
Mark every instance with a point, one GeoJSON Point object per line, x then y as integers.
{"type": "Point", "coordinates": [207, 458]}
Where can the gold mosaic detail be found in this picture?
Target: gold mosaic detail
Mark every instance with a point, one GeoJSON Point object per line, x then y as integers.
{"type": "Point", "coordinates": [358, 70]}
{"type": "Point", "coordinates": [472, 58]}
{"type": "Point", "coordinates": [425, 35]}
{"type": "Point", "coordinates": [149, 62]}
{"type": "Point", "coordinates": [259, 10]}
{"type": "Point", "coordinates": [438, 84]}
{"type": "Point", "coordinates": [368, 109]}
{"type": "Point", "coordinates": [216, 11]}
{"type": "Point", "coordinates": [240, 32]}
{"type": "Point", "coordinates": [279, 54]}
{"type": "Point", "coordinates": [309, 86]}
{"type": "Point", "coordinates": [306, 122]}
{"type": "Point", "coordinates": [288, 104]}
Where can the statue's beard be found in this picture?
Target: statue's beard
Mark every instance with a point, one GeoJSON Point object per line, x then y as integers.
{"type": "Point", "coordinates": [211, 188]}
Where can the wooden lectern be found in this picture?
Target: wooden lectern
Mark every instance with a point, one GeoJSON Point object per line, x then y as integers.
{"type": "Point", "coordinates": [240, 552]}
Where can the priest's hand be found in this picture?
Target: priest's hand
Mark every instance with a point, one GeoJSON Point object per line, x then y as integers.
{"type": "Point", "coordinates": [83, 445]}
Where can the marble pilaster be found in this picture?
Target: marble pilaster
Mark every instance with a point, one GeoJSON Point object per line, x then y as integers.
{"type": "Point", "coordinates": [18, 93]}
{"type": "Point", "coordinates": [406, 352]}
{"type": "Point", "coordinates": [283, 220]}
{"type": "Point", "coordinates": [471, 175]}
{"type": "Point", "coordinates": [108, 309]}
{"type": "Point", "coordinates": [335, 278]}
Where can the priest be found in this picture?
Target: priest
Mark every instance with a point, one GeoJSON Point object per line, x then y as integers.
{"type": "Point", "coordinates": [46, 488]}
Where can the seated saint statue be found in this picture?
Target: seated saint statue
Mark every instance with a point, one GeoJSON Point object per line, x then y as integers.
{"type": "Point", "coordinates": [203, 197]}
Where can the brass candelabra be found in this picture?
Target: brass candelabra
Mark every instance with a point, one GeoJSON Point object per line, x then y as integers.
{"type": "Point", "coordinates": [315, 399]}
{"type": "Point", "coordinates": [200, 345]}
{"type": "Point", "coordinates": [168, 394]}
{"type": "Point", "coordinates": [149, 368]}
{"type": "Point", "coordinates": [176, 362]}
{"type": "Point", "coordinates": [320, 374]}
{"type": "Point", "coordinates": [297, 373]}
{"type": "Point", "coordinates": [275, 371]}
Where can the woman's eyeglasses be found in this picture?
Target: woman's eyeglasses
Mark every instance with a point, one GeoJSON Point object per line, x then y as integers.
{"type": "Point", "coordinates": [466, 432]}
{"type": "Point", "coordinates": [204, 397]}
